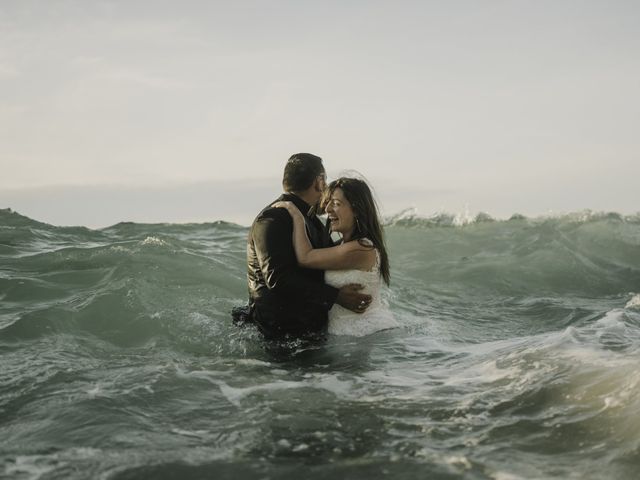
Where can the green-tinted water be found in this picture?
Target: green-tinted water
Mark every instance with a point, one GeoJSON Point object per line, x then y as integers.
{"type": "Point", "coordinates": [517, 357]}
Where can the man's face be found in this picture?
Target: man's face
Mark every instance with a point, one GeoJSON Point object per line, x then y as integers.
{"type": "Point", "coordinates": [323, 181]}
{"type": "Point", "coordinates": [321, 185]}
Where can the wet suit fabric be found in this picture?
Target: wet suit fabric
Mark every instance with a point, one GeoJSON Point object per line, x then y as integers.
{"type": "Point", "coordinates": [285, 299]}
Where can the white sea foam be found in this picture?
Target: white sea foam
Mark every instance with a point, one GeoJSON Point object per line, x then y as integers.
{"type": "Point", "coordinates": [459, 461]}
{"type": "Point", "coordinates": [627, 388]}
{"type": "Point", "coordinates": [236, 394]}
{"type": "Point", "coordinates": [483, 372]}
{"type": "Point", "coordinates": [35, 467]}
{"type": "Point", "coordinates": [328, 382]}
{"type": "Point", "coordinates": [96, 391]}
{"type": "Point", "coordinates": [611, 319]}
{"type": "Point", "coordinates": [32, 467]}
{"type": "Point", "coordinates": [440, 218]}
{"type": "Point", "coordinates": [151, 240]}
{"type": "Point", "coordinates": [634, 303]}
{"type": "Point", "coordinates": [190, 433]}
{"type": "Point", "coordinates": [505, 476]}
{"type": "Point", "coordinates": [253, 362]}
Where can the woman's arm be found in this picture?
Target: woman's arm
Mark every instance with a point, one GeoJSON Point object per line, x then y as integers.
{"type": "Point", "coordinates": [341, 257]}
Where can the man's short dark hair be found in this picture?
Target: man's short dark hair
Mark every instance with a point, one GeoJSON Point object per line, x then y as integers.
{"type": "Point", "coordinates": [300, 172]}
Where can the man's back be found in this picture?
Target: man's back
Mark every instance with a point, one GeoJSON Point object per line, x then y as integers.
{"type": "Point", "coordinates": [285, 299]}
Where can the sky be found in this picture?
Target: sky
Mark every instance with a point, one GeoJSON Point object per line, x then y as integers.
{"type": "Point", "coordinates": [165, 111]}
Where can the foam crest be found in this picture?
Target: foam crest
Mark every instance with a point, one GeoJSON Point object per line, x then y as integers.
{"type": "Point", "coordinates": [634, 303]}
{"type": "Point", "coordinates": [411, 217]}
{"type": "Point", "coordinates": [38, 466]}
{"type": "Point", "coordinates": [332, 383]}
{"type": "Point", "coordinates": [155, 241]}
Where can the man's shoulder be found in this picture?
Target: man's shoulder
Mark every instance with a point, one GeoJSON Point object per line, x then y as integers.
{"type": "Point", "coordinates": [269, 214]}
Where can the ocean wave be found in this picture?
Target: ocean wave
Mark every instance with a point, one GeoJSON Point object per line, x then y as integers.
{"type": "Point", "coordinates": [410, 217]}
{"type": "Point", "coordinates": [171, 266]}
{"type": "Point", "coordinates": [519, 336]}
{"type": "Point", "coordinates": [634, 303]}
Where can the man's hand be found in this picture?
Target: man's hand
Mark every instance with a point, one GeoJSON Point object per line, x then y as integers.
{"type": "Point", "coordinates": [350, 298]}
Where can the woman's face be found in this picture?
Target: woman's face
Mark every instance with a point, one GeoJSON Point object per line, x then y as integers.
{"type": "Point", "coordinates": [340, 214]}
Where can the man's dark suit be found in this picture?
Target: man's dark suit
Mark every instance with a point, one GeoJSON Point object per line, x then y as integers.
{"type": "Point", "coordinates": [284, 298]}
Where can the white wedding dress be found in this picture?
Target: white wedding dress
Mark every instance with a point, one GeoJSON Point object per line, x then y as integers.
{"type": "Point", "coordinates": [375, 318]}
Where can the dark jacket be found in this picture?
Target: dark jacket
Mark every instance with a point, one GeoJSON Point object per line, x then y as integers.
{"type": "Point", "coordinates": [286, 299]}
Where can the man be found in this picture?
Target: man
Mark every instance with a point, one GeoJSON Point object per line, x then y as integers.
{"type": "Point", "coordinates": [286, 300]}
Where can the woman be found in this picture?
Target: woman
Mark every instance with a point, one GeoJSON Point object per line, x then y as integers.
{"type": "Point", "coordinates": [361, 257]}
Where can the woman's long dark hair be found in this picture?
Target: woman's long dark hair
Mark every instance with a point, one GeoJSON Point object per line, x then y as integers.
{"type": "Point", "coordinates": [365, 209]}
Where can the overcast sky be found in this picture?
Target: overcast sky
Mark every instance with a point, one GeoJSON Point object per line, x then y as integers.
{"type": "Point", "coordinates": [187, 111]}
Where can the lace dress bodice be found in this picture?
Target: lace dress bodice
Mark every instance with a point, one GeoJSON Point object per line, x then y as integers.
{"type": "Point", "coordinates": [376, 317]}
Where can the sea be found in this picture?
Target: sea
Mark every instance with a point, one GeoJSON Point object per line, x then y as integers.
{"type": "Point", "coordinates": [517, 357]}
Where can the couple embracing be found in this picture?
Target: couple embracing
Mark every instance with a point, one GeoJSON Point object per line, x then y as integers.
{"type": "Point", "coordinates": [303, 284]}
